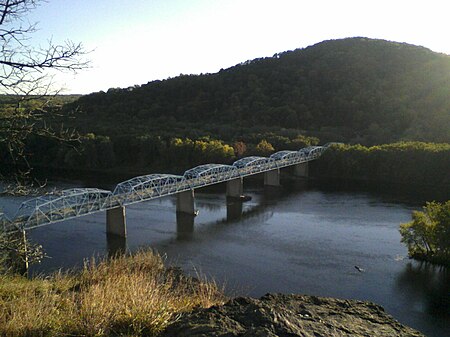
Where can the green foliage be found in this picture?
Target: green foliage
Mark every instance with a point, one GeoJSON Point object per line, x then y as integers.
{"type": "Point", "coordinates": [17, 252]}
{"type": "Point", "coordinates": [26, 85]}
{"type": "Point", "coordinates": [412, 163]}
{"type": "Point", "coordinates": [353, 90]}
{"type": "Point", "coordinates": [357, 90]}
{"type": "Point", "coordinates": [184, 153]}
{"type": "Point", "coordinates": [95, 152]}
{"type": "Point", "coordinates": [30, 135]}
{"type": "Point", "coordinates": [163, 151]}
{"type": "Point", "coordinates": [427, 236]}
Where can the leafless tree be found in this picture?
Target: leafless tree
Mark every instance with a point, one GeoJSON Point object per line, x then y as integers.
{"type": "Point", "coordinates": [26, 81]}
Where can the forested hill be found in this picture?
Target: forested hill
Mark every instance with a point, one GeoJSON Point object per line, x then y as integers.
{"type": "Point", "coordinates": [355, 89]}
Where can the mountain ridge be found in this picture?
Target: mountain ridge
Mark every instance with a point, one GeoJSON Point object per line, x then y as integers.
{"type": "Point", "coordinates": [355, 89]}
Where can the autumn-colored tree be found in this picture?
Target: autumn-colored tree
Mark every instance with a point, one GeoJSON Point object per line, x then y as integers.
{"type": "Point", "coordinates": [264, 148]}
{"type": "Point", "coordinates": [239, 149]}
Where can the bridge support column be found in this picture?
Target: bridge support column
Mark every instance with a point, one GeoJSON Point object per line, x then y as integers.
{"type": "Point", "coordinates": [116, 223]}
{"type": "Point", "coordinates": [186, 202]}
{"type": "Point", "coordinates": [116, 245]}
{"type": "Point", "coordinates": [272, 178]}
{"type": "Point", "coordinates": [235, 188]}
{"type": "Point", "coordinates": [301, 170]}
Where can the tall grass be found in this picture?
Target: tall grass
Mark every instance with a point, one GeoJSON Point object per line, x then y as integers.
{"type": "Point", "coordinates": [129, 295]}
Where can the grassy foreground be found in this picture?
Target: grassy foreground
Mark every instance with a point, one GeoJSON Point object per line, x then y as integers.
{"type": "Point", "coordinates": [130, 295]}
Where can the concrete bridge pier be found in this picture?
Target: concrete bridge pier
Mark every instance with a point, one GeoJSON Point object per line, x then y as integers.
{"type": "Point", "coordinates": [301, 170]}
{"type": "Point", "coordinates": [272, 178]}
{"type": "Point", "coordinates": [235, 188]}
{"type": "Point", "coordinates": [116, 223]}
{"type": "Point", "coordinates": [186, 202]}
{"type": "Point", "coordinates": [116, 245]}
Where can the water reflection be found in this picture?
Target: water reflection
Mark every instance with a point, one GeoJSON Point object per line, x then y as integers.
{"type": "Point", "coordinates": [207, 204]}
{"type": "Point", "coordinates": [272, 194]}
{"type": "Point", "coordinates": [185, 226]}
{"type": "Point", "coordinates": [422, 285]}
{"type": "Point", "coordinates": [286, 239]}
{"type": "Point", "coordinates": [238, 213]}
{"type": "Point", "coordinates": [235, 214]}
{"type": "Point", "coordinates": [234, 210]}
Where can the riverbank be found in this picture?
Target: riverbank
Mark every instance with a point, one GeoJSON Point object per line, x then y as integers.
{"type": "Point", "coordinates": [137, 296]}
{"type": "Point", "coordinates": [128, 295]}
{"type": "Point", "coordinates": [289, 315]}
{"type": "Point", "coordinates": [315, 233]}
{"type": "Point", "coordinates": [407, 165]}
{"type": "Point", "coordinates": [423, 166]}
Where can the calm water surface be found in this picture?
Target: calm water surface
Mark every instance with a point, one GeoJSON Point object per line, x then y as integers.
{"type": "Point", "coordinates": [294, 239]}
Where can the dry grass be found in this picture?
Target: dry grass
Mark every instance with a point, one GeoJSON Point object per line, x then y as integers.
{"type": "Point", "coordinates": [129, 296]}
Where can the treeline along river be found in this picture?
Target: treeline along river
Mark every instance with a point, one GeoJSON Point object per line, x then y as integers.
{"type": "Point", "coordinates": [300, 238]}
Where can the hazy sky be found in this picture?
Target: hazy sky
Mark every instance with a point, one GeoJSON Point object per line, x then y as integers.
{"type": "Point", "coordinates": [138, 41]}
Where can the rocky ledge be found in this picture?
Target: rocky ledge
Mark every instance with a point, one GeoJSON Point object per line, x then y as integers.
{"type": "Point", "coordinates": [288, 316]}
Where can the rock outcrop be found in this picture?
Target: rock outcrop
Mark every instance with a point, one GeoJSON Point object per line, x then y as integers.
{"type": "Point", "coordinates": [288, 316]}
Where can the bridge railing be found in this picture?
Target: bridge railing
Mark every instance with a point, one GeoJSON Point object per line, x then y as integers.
{"type": "Point", "coordinates": [77, 202]}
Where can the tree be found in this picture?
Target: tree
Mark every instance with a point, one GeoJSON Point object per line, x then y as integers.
{"type": "Point", "coordinates": [26, 89]}
{"type": "Point", "coordinates": [427, 236]}
{"type": "Point", "coordinates": [239, 149]}
{"type": "Point", "coordinates": [26, 85]}
{"type": "Point", "coordinates": [264, 148]}
{"type": "Point", "coordinates": [17, 253]}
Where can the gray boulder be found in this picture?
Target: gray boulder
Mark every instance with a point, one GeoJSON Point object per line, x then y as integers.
{"type": "Point", "coordinates": [287, 316]}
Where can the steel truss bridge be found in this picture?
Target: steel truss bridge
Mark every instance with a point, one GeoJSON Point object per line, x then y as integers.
{"type": "Point", "coordinates": [72, 203]}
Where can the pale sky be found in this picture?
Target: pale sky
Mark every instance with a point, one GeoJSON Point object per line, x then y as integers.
{"type": "Point", "coordinates": [134, 42]}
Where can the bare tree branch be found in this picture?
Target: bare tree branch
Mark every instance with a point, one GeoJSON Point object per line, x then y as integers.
{"type": "Point", "coordinates": [26, 80]}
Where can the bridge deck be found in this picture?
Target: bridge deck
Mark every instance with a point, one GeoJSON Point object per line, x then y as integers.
{"type": "Point", "coordinates": [73, 203]}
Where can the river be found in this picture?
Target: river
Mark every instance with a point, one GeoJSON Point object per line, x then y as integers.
{"type": "Point", "coordinates": [293, 239]}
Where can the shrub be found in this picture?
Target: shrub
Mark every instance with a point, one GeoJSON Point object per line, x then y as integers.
{"type": "Point", "coordinates": [427, 236]}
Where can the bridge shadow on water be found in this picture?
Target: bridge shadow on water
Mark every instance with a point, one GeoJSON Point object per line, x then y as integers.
{"type": "Point", "coordinates": [186, 222]}
{"type": "Point", "coordinates": [237, 211]}
{"type": "Point", "coordinates": [231, 236]}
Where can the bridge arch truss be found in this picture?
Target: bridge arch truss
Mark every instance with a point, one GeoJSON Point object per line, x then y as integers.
{"type": "Point", "coordinates": [210, 174]}
{"type": "Point", "coordinates": [253, 164]}
{"type": "Point", "coordinates": [72, 203]}
{"type": "Point", "coordinates": [55, 207]}
{"type": "Point", "coordinates": [146, 187]}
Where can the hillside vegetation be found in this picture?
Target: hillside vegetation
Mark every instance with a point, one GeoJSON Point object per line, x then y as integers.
{"type": "Point", "coordinates": [356, 89]}
{"type": "Point", "coordinates": [413, 163]}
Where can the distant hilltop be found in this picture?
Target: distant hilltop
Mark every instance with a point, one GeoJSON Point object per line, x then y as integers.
{"type": "Point", "coordinates": [354, 89]}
